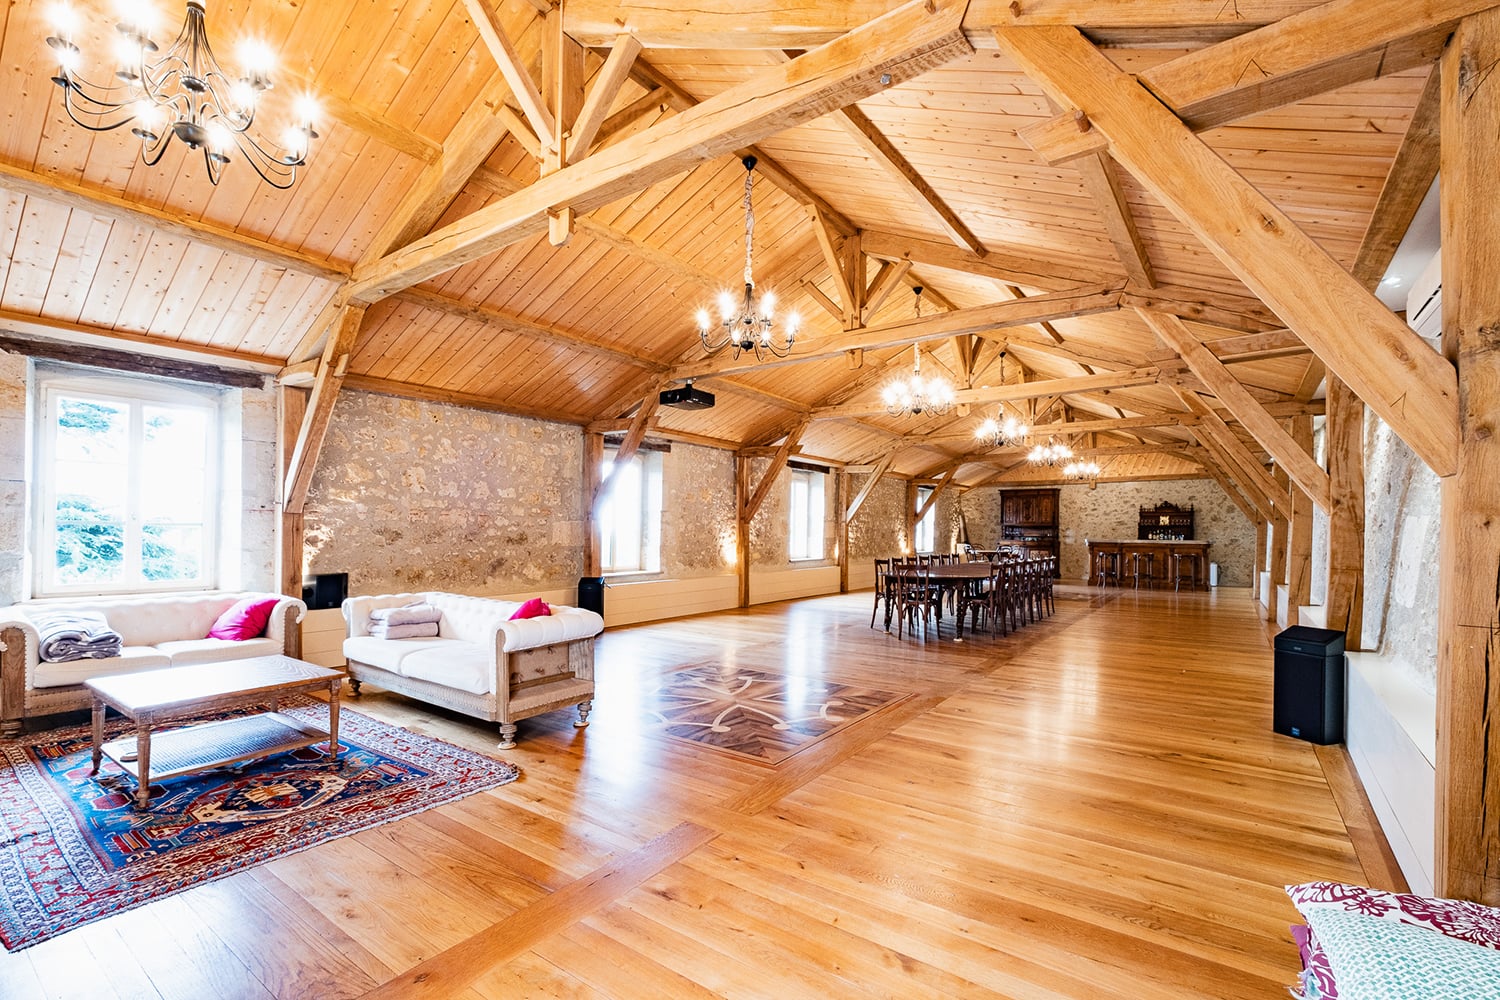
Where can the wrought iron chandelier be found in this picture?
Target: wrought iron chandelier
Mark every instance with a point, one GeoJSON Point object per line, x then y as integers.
{"type": "Point", "coordinates": [748, 324]}
{"type": "Point", "coordinates": [182, 93]}
{"type": "Point", "coordinates": [1054, 452]}
{"type": "Point", "coordinates": [1002, 429]}
{"type": "Point", "coordinates": [916, 395]}
{"type": "Point", "coordinates": [1084, 469]}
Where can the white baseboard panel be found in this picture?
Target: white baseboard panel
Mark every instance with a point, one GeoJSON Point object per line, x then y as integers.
{"type": "Point", "coordinates": [789, 584]}
{"type": "Point", "coordinates": [1263, 591]}
{"type": "Point", "coordinates": [652, 600]}
{"type": "Point", "coordinates": [1283, 605]}
{"type": "Point", "coordinates": [1392, 739]}
{"type": "Point", "coordinates": [861, 575]}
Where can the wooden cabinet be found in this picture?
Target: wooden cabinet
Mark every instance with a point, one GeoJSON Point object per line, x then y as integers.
{"type": "Point", "coordinates": [1028, 520]}
{"type": "Point", "coordinates": [1165, 522]}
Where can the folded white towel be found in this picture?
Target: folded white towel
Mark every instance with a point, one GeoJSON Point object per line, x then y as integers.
{"type": "Point", "coordinates": [410, 614]}
{"type": "Point", "coordinates": [75, 635]}
{"type": "Point", "coordinates": [421, 630]}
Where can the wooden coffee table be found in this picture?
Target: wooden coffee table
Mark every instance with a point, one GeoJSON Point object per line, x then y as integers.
{"type": "Point", "coordinates": [154, 698]}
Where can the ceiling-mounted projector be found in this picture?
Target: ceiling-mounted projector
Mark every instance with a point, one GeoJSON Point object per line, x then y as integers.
{"type": "Point", "coordinates": [686, 397]}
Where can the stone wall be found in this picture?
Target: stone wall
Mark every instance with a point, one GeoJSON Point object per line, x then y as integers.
{"type": "Point", "coordinates": [1402, 517]}
{"type": "Point", "coordinates": [770, 529]}
{"type": "Point", "coordinates": [247, 550]}
{"type": "Point", "coordinates": [414, 495]}
{"type": "Point", "coordinates": [1111, 510]}
{"type": "Point", "coordinates": [13, 438]}
{"type": "Point", "coordinates": [878, 531]}
{"type": "Point", "coordinates": [697, 532]}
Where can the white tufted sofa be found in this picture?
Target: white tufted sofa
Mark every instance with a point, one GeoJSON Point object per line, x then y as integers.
{"type": "Point", "coordinates": [158, 631]}
{"type": "Point", "coordinates": [481, 663]}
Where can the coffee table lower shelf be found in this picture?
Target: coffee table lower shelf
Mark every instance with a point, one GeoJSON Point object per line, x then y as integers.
{"type": "Point", "coordinates": [215, 744]}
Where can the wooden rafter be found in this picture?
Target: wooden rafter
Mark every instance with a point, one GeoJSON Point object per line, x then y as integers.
{"type": "Point", "coordinates": [514, 69]}
{"type": "Point", "coordinates": [881, 468]}
{"type": "Point", "coordinates": [331, 371]}
{"type": "Point", "coordinates": [1102, 182]}
{"type": "Point", "coordinates": [1297, 462]}
{"type": "Point", "coordinates": [1406, 184]}
{"type": "Point", "coordinates": [938, 490]}
{"type": "Point", "coordinates": [778, 463]}
{"type": "Point", "coordinates": [1411, 387]}
{"type": "Point", "coordinates": [1250, 473]}
{"type": "Point", "coordinates": [602, 93]}
{"type": "Point", "coordinates": [1023, 390]}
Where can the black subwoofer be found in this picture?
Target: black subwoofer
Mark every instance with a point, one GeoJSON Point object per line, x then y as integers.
{"type": "Point", "coordinates": [1308, 701]}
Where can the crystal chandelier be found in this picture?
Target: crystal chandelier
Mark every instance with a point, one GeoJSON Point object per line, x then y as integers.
{"type": "Point", "coordinates": [182, 93]}
{"type": "Point", "coordinates": [748, 324]}
{"type": "Point", "coordinates": [1054, 452]}
{"type": "Point", "coordinates": [1085, 469]}
{"type": "Point", "coordinates": [1002, 429]}
{"type": "Point", "coordinates": [916, 395]}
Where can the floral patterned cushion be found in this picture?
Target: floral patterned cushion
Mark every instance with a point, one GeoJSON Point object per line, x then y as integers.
{"type": "Point", "coordinates": [1345, 964]}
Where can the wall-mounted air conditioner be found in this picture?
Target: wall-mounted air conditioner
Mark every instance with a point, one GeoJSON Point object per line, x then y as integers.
{"type": "Point", "coordinates": [1424, 303]}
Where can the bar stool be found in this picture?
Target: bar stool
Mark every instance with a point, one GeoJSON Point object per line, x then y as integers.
{"type": "Point", "coordinates": [1137, 559]}
{"type": "Point", "coordinates": [1107, 566]}
{"type": "Point", "coordinates": [1194, 563]}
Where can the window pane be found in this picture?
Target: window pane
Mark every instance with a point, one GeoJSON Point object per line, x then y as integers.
{"type": "Point", "coordinates": [92, 431]}
{"type": "Point", "coordinates": [90, 544]}
{"type": "Point", "coordinates": [171, 552]}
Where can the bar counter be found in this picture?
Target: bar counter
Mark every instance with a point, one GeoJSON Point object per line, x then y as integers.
{"type": "Point", "coordinates": [1157, 570]}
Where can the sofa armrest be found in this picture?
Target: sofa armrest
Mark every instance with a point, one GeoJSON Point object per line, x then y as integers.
{"type": "Point", "coordinates": [282, 625]}
{"type": "Point", "coordinates": [19, 645]}
{"type": "Point", "coordinates": [565, 624]}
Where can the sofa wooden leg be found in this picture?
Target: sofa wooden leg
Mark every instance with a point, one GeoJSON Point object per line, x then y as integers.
{"type": "Point", "coordinates": [584, 707]}
{"type": "Point", "coordinates": [354, 686]}
{"type": "Point", "coordinates": [507, 735]}
{"type": "Point", "coordinates": [10, 728]}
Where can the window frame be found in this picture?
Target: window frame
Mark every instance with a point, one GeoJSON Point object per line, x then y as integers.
{"type": "Point", "coordinates": [927, 524]}
{"type": "Point", "coordinates": [136, 394]}
{"type": "Point", "coordinates": [649, 505]}
{"type": "Point", "coordinates": [813, 523]}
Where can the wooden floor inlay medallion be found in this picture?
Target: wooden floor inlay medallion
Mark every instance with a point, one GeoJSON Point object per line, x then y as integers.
{"type": "Point", "coordinates": [764, 717]}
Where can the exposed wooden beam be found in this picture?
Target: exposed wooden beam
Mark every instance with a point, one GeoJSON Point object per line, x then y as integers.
{"type": "Point", "coordinates": [767, 481]}
{"type": "Point", "coordinates": [1022, 390]}
{"type": "Point", "coordinates": [886, 52]}
{"type": "Point", "coordinates": [1468, 639]}
{"type": "Point", "coordinates": [1299, 541]}
{"type": "Point", "coordinates": [1345, 438]}
{"type": "Point", "coordinates": [1298, 463]}
{"type": "Point", "coordinates": [1240, 483]}
{"type": "Point", "coordinates": [938, 490]}
{"type": "Point", "coordinates": [515, 70]}
{"type": "Point", "coordinates": [300, 375]}
{"type": "Point", "coordinates": [1215, 470]}
{"type": "Point", "coordinates": [1102, 183]}
{"type": "Point", "coordinates": [881, 468]}
{"type": "Point", "coordinates": [773, 24]}
{"type": "Point", "coordinates": [639, 425]}
{"type": "Point", "coordinates": [1412, 388]}
{"type": "Point", "coordinates": [1406, 184]}
{"type": "Point", "coordinates": [130, 361]}
{"type": "Point", "coordinates": [1249, 472]}
{"type": "Point", "coordinates": [602, 93]}
{"type": "Point", "coordinates": [1012, 267]}
{"type": "Point", "coordinates": [906, 332]}
{"type": "Point", "coordinates": [1314, 51]}
{"type": "Point", "coordinates": [869, 138]}
{"type": "Point", "coordinates": [330, 378]}
{"type": "Point", "coordinates": [592, 472]}
{"type": "Point", "coordinates": [887, 279]}
{"type": "Point", "coordinates": [97, 201]}
{"type": "Point", "coordinates": [831, 257]}
{"type": "Point", "coordinates": [83, 335]}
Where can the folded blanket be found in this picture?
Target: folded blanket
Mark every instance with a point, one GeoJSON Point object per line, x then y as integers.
{"type": "Point", "coordinates": [421, 630]}
{"type": "Point", "coordinates": [75, 635]}
{"type": "Point", "coordinates": [410, 614]}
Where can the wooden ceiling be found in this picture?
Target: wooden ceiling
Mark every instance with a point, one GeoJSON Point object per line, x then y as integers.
{"type": "Point", "coordinates": [864, 190]}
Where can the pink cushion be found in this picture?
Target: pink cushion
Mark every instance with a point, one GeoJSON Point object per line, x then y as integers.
{"type": "Point", "coordinates": [245, 619]}
{"type": "Point", "coordinates": [534, 608]}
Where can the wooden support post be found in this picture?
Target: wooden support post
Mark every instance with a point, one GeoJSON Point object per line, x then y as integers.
{"type": "Point", "coordinates": [910, 525]}
{"type": "Point", "coordinates": [1279, 532]}
{"type": "Point", "coordinates": [292, 403]}
{"type": "Point", "coordinates": [1262, 535]}
{"type": "Point", "coordinates": [1345, 432]}
{"type": "Point", "coordinates": [1468, 789]}
{"type": "Point", "coordinates": [742, 526]}
{"type": "Point", "coordinates": [330, 378]}
{"type": "Point", "coordinates": [1299, 544]}
{"type": "Point", "coordinates": [593, 472]}
{"type": "Point", "coordinates": [842, 532]}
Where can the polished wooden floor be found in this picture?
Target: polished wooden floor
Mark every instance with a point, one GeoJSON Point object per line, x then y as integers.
{"type": "Point", "coordinates": [1094, 807]}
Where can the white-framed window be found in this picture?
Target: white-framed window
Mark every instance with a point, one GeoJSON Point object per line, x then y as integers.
{"type": "Point", "coordinates": [630, 517]}
{"type": "Point", "coordinates": [806, 507]}
{"type": "Point", "coordinates": [925, 527]}
{"type": "Point", "coordinates": [126, 485]}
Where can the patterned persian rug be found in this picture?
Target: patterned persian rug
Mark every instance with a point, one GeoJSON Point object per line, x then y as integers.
{"type": "Point", "coordinates": [757, 715]}
{"type": "Point", "coordinates": [73, 849]}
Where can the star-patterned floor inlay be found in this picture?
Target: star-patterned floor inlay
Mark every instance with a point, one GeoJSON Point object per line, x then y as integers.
{"type": "Point", "coordinates": [753, 714]}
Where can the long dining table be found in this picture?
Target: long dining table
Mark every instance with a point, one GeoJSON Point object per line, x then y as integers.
{"type": "Point", "coordinates": [949, 577]}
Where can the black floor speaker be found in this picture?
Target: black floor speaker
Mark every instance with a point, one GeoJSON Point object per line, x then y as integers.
{"type": "Point", "coordinates": [1308, 701]}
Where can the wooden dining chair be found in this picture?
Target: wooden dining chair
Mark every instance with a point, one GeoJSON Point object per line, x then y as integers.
{"type": "Point", "coordinates": [914, 597]}
{"type": "Point", "coordinates": [883, 589]}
